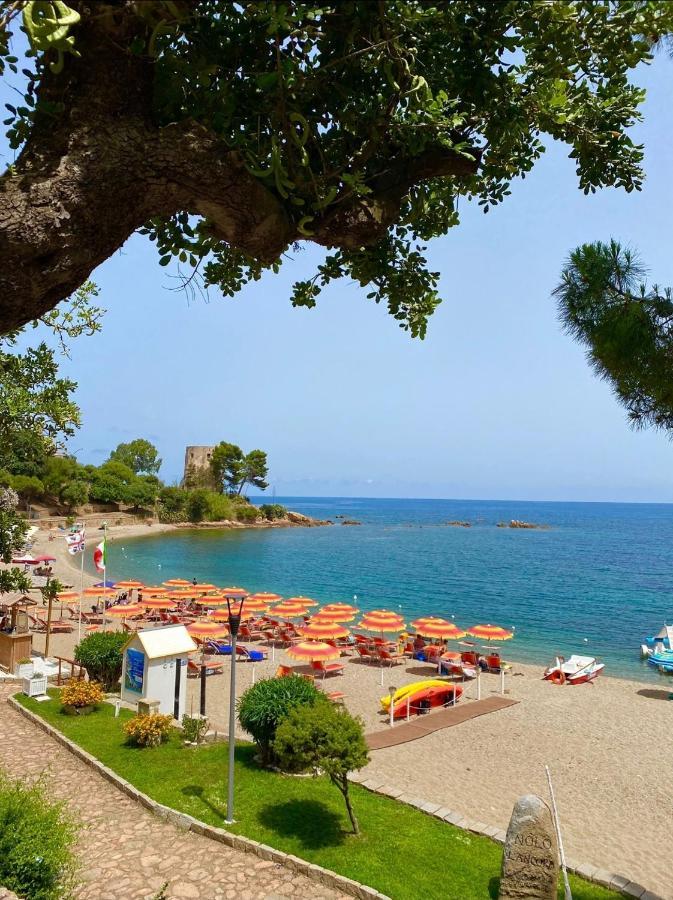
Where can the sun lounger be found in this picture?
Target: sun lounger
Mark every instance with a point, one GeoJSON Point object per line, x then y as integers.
{"type": "Point", "coordinates": [283, 672]}
{"type": "Point", "coordinates": [212, 667]}
{"type": "Point", "coordinates": [393, 659]}
{"type": "Point", "coordinates": [328, 668]}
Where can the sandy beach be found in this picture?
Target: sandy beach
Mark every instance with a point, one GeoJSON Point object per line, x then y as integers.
{"type": "Point", "coordinates": [607, 744]}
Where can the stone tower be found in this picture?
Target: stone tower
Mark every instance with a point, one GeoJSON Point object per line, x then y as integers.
{"type": "Point", "coordinates": [197, 460]}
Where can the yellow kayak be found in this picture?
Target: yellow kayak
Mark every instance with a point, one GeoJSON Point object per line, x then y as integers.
{"type": "Point", "coordinates": [402, 692]}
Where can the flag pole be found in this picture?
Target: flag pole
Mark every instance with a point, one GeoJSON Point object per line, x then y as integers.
{"type": "Point", "coordinates": [104, 573]}
{"type": "Point", "coordinates": [81, 589]}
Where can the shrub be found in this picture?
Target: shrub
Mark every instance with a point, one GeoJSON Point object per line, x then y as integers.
{"type": "Point", "coordinates": [148, 731]}
{"type": "Point", "coordinates": [247, 513]}
{"type": "Point", "coordinates": [101, 655]}
{"type": "Point", "coordinates": [197, 505]}
{"type": "Point", "coordinates": [74, 494]}
{"type": "Point", "coordinates": [262, 707]}
{"type": "Point", "coordinates": [273, 511]}
{"type": "Point", "coordinates": [36, 840]}
{"type": "Point", "coordinates": [219, 507]}
{"type": "Point", "coordinates": [194, 728]}
{"type": "Point", "coordinates": [323, 738]}
{"type": "Point", "coordinates": [81, 693]}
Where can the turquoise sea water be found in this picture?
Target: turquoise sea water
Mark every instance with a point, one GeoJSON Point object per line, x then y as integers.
{"type": "Point", "coordinates": [597, 581]}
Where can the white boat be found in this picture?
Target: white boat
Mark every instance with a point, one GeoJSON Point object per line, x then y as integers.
{"type": "Point", "coordinates": [663, 640]}
{"type": "Point", "coordinates": [576, 670]}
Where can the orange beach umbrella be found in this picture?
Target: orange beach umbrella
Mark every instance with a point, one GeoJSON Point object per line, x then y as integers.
{"type": "Point", "coordinates": [289, 610]}
{"type": "Point", "coordinates": [255, 604]}
{"type": "Point", "coordinates": [340, 608]}
{"type": "Point", "coordinates": [312, 651]}
{"type": "Point", "coordinates": [234, 592]}
{"type": "Point", "coordinates": [382, 620]}
{"type": "Point", "coordinates": [326, 615]}
{"type": "Point", "coordinates": [203, 588]}
{"type": "Point", "coordinates": [435, 627]}
{"type": "Point", "coordinates": [130, 585]}
{"type": "Point", "coordinates": [213, 600]}
{"type": "Point", "coordinates": [154, 590]}
{"type": "Point", "coordinates": [304, 601]}
{"type": "Point", "coordinates": [157, 603]}
{"type": "Point", "coordinates": [324, 631]}
{"type": "Point", "coordinates": [99, 592]}
{"type": "Point", "coordinates": [490, 633]}
{"type": "Point", "coordinates": [122, 611]}
{"type": "Point", "coordinates": [264, 597]}
{"type": "Point", "coordinates": [208, 629]}
{"type": "Point", "coordinates": [177, 582]}
{"type": "Point", "coordinates": [66, 596]}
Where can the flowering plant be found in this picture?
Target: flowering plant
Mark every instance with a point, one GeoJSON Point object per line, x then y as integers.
{"type": "Point", "coordinates": [81, 693]}
{"type": "Point", "coordinates": [148, 731]}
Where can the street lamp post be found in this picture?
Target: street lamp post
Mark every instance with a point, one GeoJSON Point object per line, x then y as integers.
{"type": "Point", "coordinates": [234, 623]}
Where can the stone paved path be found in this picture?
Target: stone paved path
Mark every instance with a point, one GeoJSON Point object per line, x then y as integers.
{"type": "Point", "coordinates": [126, 852]}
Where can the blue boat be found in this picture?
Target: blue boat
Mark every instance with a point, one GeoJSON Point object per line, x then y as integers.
{"type": "Point", "coordinates": [663, 660]}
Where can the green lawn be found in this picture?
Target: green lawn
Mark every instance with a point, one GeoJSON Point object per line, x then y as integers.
{"type": "Point", "coordinates": [401, 852]}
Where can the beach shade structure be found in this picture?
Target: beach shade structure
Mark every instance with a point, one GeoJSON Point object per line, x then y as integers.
{"type": "Point", "coordinates": [324, 631]}
{"type": "Point", "coordinates": [211, 600]}
{"type": "Point", "coordinates": [129, 585]}
{"type": "Point", "coordinates": [382, 620]}
{"type": "Point", "coordinates": [124, 610]}
{"type": "Point", "coordinates": [154, 590]}
{"type": "Point", "coordinates": [107, 584]}
{"type": "Point", "coordinates": [67, 596]}
{"type": "Point", "coordinates": [287, 610]}
{"type": "Point", "coordinates": [158, 603]}
{"type": "Point", "coordinates": [255, 605]}
{"type": "Point", "coordinates": [437, 628]}
{"type": "Point", "coordinates": [184, 593]}
{"type": "Point", "coordinates": [305, 601]}
{"type": "Point", "coordinates": [206, 629]}
{"type": "Point", "coordinates": [203, 588]}
{"type": "Point", "coordinates": [325, 615]}
{"type": "Point", "coordinates": [313, 651]}
{"type": "Point", "coordinates": [340, 608]}
{"type": "Point", "coordinates": [176, 582]}
{"type": "Point", "coordinates": [233, 592]}
{"type": "Point", "coordinates": [264, 597]}
{"type": "Point", "coordinates": [98, 592]}
{"type": "Point", "coordinates": [490, 633]}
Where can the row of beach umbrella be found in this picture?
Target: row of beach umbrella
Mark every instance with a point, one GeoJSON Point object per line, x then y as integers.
{"type": "Point", "coordinates": [326, 624]}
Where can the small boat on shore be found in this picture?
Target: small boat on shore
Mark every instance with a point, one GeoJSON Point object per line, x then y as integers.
{"type": "Point", "coordinates": [576, 670]}
{"type": "Point", "coordinates": [663, 640]}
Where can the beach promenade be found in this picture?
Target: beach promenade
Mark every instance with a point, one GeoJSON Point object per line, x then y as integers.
{"type": "Point", "coordinates": [123, 849]}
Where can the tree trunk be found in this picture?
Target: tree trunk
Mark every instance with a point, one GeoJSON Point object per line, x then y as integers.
{"type": "Point", "coordinates": [342, 784]}
{"type": "Point", "coordinates": [99, 169]}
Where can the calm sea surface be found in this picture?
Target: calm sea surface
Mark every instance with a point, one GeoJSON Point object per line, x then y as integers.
{"type": "Point", "coordinates": [596, 581]}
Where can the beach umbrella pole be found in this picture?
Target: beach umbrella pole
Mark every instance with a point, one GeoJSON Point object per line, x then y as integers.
{"type": "Point", "coordinates": [391, 707]}
{"type": "Point", "coordinates": [202, 706]}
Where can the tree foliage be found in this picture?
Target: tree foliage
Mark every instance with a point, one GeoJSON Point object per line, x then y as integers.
{"type": "Point", "coordinates": [101, 655]}
{"type": "Point", "coordinates": [12, 537]}
{"type": "Point", "coordinates": [324, 738]}
{"type": "Point", "coordinates": [626, 326]}
{"type": "Point", "coordinates": [232, 131]}
{"type": "Point", "coordinates": [232, 469]}
{"type": "Point", "coordinates": [263, 706]}
{"type": "Point", "coordinates": [141, 456]}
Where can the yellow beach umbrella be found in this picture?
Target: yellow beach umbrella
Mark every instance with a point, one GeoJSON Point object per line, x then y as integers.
{"type": "Point", "coordinates": [177, 582]}
{"type": "Point", "coordinates": [264, 597]}
{"type": "Point", "coordinates": [207, 629]}
{"type": "Point", "coordinates": [129, 585]}
{"type": "Point", "coordinates": [305, 601]}
{"type": "Point", "coordinates": [123, 611]}
{"type": "Point", "coordinates": [158, 603]}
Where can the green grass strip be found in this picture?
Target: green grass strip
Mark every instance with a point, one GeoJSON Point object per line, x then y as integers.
{"type": "Point", "coordinates": [402, 852]}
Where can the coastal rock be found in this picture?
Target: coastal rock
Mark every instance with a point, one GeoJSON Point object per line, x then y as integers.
{"type": "Point", "coordinates": [530, 859]}
{"type": "Point", "coordinates": [459, 524]}
{"type": "Point", "coordinates": [516, 523]}
{"type": "Point", "coordinates": [351, 522]}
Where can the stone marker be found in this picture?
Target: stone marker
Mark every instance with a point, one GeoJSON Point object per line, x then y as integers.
{"type": "Point", "coordinates": [530, 858]}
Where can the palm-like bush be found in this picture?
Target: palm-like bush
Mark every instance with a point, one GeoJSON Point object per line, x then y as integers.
{"type": "Point", "coordinates": [263, 706]}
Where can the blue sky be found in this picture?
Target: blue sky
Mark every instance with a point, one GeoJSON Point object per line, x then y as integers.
{"type": "Point", "coordinates": [495, 403]}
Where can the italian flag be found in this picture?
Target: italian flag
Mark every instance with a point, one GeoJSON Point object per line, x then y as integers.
{"type": "Point", "coordinates": [99, 556]}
